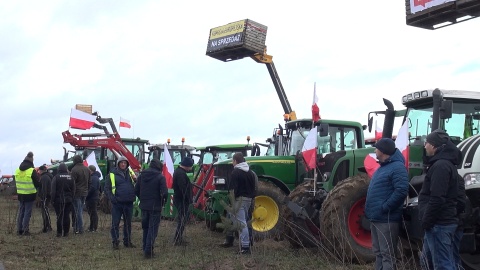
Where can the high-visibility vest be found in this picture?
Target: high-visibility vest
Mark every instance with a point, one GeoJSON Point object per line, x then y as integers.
{"type": "Point", "coordinates": [112, 180]}
{"type": "Point", "coordinates": [24, 182]}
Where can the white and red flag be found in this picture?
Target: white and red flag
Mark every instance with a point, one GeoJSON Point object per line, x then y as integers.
{"type": "Point", "coordinates": [125, 123]}
{"type": "Point", "coordinates": [91, 160]}
{"type": "Point", "coordinates": [315, 109]}
{"type": "Point", "coordinates": [81, 120]}
{"type": "Point", "coordinates": [309, 149]}
{"type": "Point", "coordinates": [402, 141]}
{"type": "Point", "coordinates": [167, 166]}
{"type": "Point", "coordinates": [378, 131]}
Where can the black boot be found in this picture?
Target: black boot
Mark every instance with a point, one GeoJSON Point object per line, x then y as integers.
{"type": "Point", "coordinates": [228, 242]}
{"type": "Point", "coordinates": [245, 251]}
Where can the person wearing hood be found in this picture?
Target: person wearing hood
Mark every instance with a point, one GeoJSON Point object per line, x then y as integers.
{"type": "Point", "coordinates": [27, 181]}
{"type": "Point", "coordinates": [62, 191]}
{"type": "Point", "coordinates": [81, 176]}
{"type": "Point", "coordinates": [44, 194]}
{"type": "Point", "coordinates": [151, 190]}
{"type": "Point", "coordinates": [119, 187]}
{"type": "Point", "coordinates": [437, 201]}
{"type": "Point", "coordinates": [92, 198]}
{"type": "Point", "coordinates": [386, 194]}
{"type": "Point", "coordinates": [242, 181]}
{"type": "Point", "coordinates": [182, 197]}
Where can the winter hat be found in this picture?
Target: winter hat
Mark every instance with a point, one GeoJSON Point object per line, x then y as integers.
{"type": "Point", "coordinates": [386, 146]}
{"type": "Point", "coordinates": [92, 168]}
{"type": "Point", "coordinates": [62, 168]}
{"type": "Point", "coordinates": [187, 162]}
{"type": "Point", "coordinates": [42, 168]}
{"type": "Point", "coordinates": [437, 138]}
{"type": "Point", "coordinates": [77, 159]}
{"type": "Point", "coordinates": [156, 163]}
{"type": "Point", "coordinates": [29, 156]}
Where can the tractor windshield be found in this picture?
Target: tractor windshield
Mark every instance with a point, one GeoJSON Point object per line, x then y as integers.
{"type": "Point", "coordinates": [464, 122]}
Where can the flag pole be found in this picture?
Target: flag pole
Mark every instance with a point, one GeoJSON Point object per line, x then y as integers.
{"type": "Point", "coordinates": [316, 148]}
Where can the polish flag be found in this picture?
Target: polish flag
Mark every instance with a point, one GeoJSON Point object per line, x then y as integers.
{"type": "Point", "coordinates": [309, 149]}
{"type": "Point", "coordinates": [81, 120]}
{"type": "Point", "coordinates": [371, 164]}
{"type": "Point", "coordinates": [402, 141]}
{"type": "Point", "coordinates": [167, 166]}
{"type": "Point", "coordinates": [90, 160]}
{"type": "Point", "coordinates": [125, 123]}
{"type": "Point", "coordinates": [378, 131]}
{"type": "Point", "coordinates": [315, 109]}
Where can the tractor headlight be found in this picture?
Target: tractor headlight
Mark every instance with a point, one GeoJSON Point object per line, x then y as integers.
{"type": "Point", "coordinates": [472, 179]}
{"type": "Point", "coordinates": [219, 181]}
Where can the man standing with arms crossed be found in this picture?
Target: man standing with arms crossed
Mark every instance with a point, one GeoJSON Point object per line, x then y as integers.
{"type": "Point", "coordinates": [81, 177]}
{"type": "Point", "coordinates": [151, 189]}
{"type": "Point", "coordinates": [386, 194]}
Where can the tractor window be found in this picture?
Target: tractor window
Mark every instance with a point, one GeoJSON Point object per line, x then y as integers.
{"type": "Point", "coordinates": [298, 138]}
{"type": "Point", "coordinates": [207, 158]}
{"type": "Point", "coordinates": [342, 138]}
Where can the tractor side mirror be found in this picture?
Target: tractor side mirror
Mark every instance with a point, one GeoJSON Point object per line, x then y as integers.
{"type": "Point", "coordinates": [446, 109]}
{"type": "Point", "coordinates": [323, 129]}
{"type": "Point", "coordinates": [370, 123]}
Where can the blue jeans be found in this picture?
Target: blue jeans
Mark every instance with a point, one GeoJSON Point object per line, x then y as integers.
{"type": "Point", "coordinates": [78, 203]}
{"type": "Point", "coordinates": [24, 214]}
{"type": "Point", "coordinates": [384, 244]}
{"type": "Point", "coordinates": [120, 209]}
{"type": "Point", "coordinates": [457, 238]}
{"type": "Point", "coordinates": [150, 224]}
{"type": "Point", "coordinates": [438, 248]}
{"type": "Point", "coordinates": [182, 219]}
{"type": "Point", "coordinates": [243, 204]}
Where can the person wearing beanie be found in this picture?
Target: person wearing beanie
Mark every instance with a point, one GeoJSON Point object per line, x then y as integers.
{"type": "Point", "coordinates": [82, 179]}
{"type": "Point", "coordinates": [386, 193]}
{"type": "Point", "coordinates": [437, 201]}
{"type": "Point", "coordinates": [63, 189]}
{"type": "Point", "coordinates": [27, 181]}
{"type": "Point", "coordinates": [44, 194]}
{"type": "Point", "coordinates": [182, 197]}
{"type": "Point", "coordinates": [120, 189]}
{"type": "Point", "coordinates": [151, 190]}
{"type": "Point", "coordinates": [92, 198]}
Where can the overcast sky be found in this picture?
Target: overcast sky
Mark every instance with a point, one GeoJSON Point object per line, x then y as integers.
{"type": "Point", "coordinates": [145, 61]}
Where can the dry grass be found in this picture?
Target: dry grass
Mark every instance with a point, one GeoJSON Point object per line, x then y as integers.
{"type": "Point", "coordinates": [93, 250]}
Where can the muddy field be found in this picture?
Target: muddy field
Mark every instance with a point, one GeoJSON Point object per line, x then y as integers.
{"type": "Point", "coordinates": [93, 250]}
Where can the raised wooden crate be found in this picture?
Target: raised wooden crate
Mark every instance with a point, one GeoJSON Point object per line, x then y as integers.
{"type": "Point", "coordinates": [236, 40]}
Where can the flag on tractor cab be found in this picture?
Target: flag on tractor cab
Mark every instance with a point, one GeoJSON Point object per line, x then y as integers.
{"type": "Point", "coordinates": [81, 120]}
{"type": "Point", "coordinates": [378, 131]}
{"type": "Point", "coordinates": [402, 141]}
{"type": "Point", "coordinates": [309, 149]}
{"type": "Point", "coordinates": [91, 160]}
{"type": "Point", "coordinates": [167, 166]}
{"type": "Point", "coordinates": [315, 109]}
{"type": "Point", "coordinates": [125, 123]}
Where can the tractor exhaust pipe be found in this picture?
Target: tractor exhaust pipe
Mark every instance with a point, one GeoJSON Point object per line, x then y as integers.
{"type": "Point", "coordinates": [389, 119]}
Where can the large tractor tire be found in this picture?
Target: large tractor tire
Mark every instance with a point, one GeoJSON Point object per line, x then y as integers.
{"type": "Point", "coordinates": [303, 230]}
{"type": "Point", "coordinates": [105, 204]}
{"type": "Point", "coordinates": [345, 230]}
{"type": "Point", "coordinates": [266, 221]}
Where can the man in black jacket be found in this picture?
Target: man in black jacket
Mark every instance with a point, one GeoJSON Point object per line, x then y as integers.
{"type": "Point", "coordinates": [44, 193]}
{"type": "Point", "coordinates": [63, 188]}
{"type": "Point", "coordinates": [119, 187]}
{"type": "Point", "coordinates": [151, 189]}
{"type": "Point", "coordinates": [182, 197]}
{"type": "Point", "coordinates": [92, 198]}
{"type": "Point", "coordinates": [437, 201]}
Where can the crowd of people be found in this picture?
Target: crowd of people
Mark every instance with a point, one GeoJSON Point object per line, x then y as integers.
{"type": "Point", "coordinates": [69, 191]}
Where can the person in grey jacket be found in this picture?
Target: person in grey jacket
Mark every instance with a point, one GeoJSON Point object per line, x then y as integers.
{"type": "Point", "coordinates": [81, 176]}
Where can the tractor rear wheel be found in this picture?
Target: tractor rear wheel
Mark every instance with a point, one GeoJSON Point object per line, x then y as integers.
{"type": "Point", "coordinates": [303, 231]}
{"type": "Point", "coordinates": [344, 228]}
{"type": "Point", "coordinates": [266, 221]}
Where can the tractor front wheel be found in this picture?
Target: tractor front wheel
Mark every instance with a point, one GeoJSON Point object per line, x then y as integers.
{"type": "Point", "coordinates": [343, 224]}
{"type": "Point", "coordinates": [266, 221]}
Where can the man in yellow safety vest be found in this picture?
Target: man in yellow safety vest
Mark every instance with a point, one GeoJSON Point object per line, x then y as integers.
{"type": "Point", "coordinates": [27, 181]}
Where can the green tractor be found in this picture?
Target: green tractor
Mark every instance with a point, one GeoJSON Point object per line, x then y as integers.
{"type": "Point", "coordinates": [283, 169]}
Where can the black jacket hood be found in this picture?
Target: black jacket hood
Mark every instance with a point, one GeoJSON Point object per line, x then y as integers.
{"type": "Point", "coordinates": [447, 151]}
{"type": "Point", "coordinates": [25, 165]}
